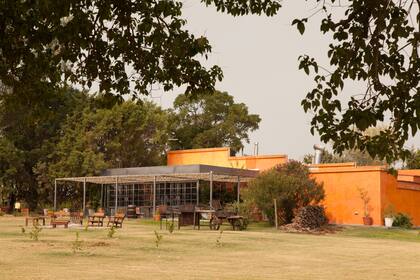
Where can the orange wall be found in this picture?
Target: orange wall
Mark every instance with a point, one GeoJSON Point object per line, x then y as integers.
{"type": "Point", "coordinates": [221, 157]}
{"type": "Point", "coordinates": [403, 194]}
{"type": "Point", "coordinates": [342, 199]}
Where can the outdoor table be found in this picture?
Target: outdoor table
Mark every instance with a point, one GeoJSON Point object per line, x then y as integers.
{"type": "Point", "coordinates": [197, 215]}
{"type": "Point", "coordinates": [35, 220]}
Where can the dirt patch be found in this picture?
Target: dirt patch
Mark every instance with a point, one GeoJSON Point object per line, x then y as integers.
{"type": "Point", "coordinates": [98, 244]}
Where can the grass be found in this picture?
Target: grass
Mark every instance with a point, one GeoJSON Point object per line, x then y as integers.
{"type": "Point", "coordinates": [258, 253]}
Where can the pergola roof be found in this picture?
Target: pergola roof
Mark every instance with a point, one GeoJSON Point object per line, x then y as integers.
{"type": "Point", "coordinates": [177, 173]}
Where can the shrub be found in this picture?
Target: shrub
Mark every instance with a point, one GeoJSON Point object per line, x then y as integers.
{"type": "Point", "coordinates": [290, 185]}
{"type": "Point", "coordinates": [77, 244]}
{"type": "Point", "coordinates": [402, 220]}
{"type": "Point", "coordinates": [311, 216]}
{"type": "Point", "coordinates": [158, 239]}
{"type": "Point", "coordinates": [34, 233]}
{"type": "Point", "coordinates": [111, 232]}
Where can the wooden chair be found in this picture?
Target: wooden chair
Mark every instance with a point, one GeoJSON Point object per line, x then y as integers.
{"type": "Point", "coordinates": [76, 217]}
{"type": "Point", "coordinates": [25, 212]}
{"type": "Point", "coordinates": [96, 219]}
{"type": "Point", "coordinates": [163, 212]}
{"type": "Point", "coordinates": [116, 221]}
{"type": "Point", "coordinates": [60, 218]}
{"type": "Point", "coordinates": [139, 213]}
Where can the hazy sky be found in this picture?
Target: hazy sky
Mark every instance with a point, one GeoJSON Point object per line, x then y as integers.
{"type": "Point", "coordinates": [259, 58]}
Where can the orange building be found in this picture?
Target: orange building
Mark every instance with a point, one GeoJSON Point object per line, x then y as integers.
{"type": "Point", "coordinates": [342, 183]}
{"type": "Point", "coordinates": [221, 157]}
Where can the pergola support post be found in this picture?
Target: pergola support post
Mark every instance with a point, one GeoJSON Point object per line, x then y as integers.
{"type": "Point", "coordinates": [116, 196]}
{"type": "Point", "coordinates": [102, 195]}
{"type": "Point", "coordinates": [133, 196]}
{"type": "Point", "coordinates": [84, 195]}
{"type": "Point", "coordinates": [55, 195]}
{"type": "Point", "coordinates": [211, 189]}
{"type": "Point", "coordinates": [154, 195]}
{"type": "Point", "coordinates": [198, 192]}
{"type": "Point", "coordinates": [239, 189]}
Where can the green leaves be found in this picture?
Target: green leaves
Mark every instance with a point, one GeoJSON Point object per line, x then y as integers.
{"type": "Point", "coordinates": [98, 41]}
{"type": "Point", "coordinates": [244, 7]}
{"type": "Point", "coordinates": [211, 119]}
{"type": "Point", "coordinates": [300, 24]}
{"type": "Point", "coordinates": [371, 48]}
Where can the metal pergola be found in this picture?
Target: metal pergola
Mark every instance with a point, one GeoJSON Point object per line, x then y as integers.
{"type": "Point", "coordinates": [160, 174]}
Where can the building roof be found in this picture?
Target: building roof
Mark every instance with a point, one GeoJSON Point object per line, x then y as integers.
{"type": "Point", "coordinates": [176, 173]}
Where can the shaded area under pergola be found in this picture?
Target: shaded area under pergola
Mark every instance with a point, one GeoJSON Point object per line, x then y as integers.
{"type": "Point", "coordinates": [162, 174]}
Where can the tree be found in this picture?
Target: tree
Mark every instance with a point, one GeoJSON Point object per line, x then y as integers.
{"type": "Point", "coordinates": [127, 135]}
{"type": "Point", "coordinates": [211, 120]}
{"type": "Point", "coordinates": [413, 160]}
{"type": "Point", "coordinates": [357, 156]}
{"type": "Point", "coordinates": [28, 133]}
{"type": "Point", "coordinates": [374, 43]}
{"type": "Point", "coordinates": [130, 134]}
{"type": "Point", "coordinates": [289, 184]}
{"type": "Point", "coordinates": [45, 43]}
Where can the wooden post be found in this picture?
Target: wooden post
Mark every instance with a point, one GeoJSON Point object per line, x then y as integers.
{"type": "Point", "coordinates": [55, 195]}
{"type": "Point", "coordinates": [275, 214]}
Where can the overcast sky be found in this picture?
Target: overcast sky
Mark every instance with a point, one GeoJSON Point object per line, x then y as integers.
{"type": "Point", "coordinates": [259, 58]}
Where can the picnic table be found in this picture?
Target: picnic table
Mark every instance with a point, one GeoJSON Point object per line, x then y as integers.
{"type": "Point", "coordinates": [35, 220]}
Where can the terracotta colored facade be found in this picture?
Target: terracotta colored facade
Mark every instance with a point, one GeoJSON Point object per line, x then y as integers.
{"type": "Point", "coordinates": [341, 183]}
{"type": "Point", "coordinates": [221, 157]}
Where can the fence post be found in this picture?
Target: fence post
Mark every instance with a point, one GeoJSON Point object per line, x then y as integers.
{"type": "Point", "coordinates": [275, 214]}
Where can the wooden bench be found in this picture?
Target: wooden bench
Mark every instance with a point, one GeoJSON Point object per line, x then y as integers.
{"type": "Point", "coordinates": [96, 219]}
{"type": "Point", "coordinates": [76, 218]}
{"type": "Point", "coordinates": [35, 220]}
{"type": "Point", "coordinates": [116, 221]}
{"type": "Point", "coordinates": [56, 223]}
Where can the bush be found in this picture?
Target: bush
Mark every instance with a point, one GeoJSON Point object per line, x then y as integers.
{"type": "Point", "coordinates": [290, 185]}
{"type": "Point", "coordinates": [402, 220]}
{"type": "Point", "coordinates": [311, 216]}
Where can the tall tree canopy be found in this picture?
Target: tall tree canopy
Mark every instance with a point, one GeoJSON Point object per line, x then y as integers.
{"type": "Point", "coordinates": [44, 43]}
{"type": "Point", "coordinates": [211, 120]}
{"type": "Point", "coordinates": [127, 135]}
{"type": "Point", "coordinates": [374, 43]}
{"type": "Point", "coordinates": [129, 46]}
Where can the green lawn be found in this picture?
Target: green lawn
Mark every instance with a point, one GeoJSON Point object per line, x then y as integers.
{"type": "Point", "coordinates": [258, 253]}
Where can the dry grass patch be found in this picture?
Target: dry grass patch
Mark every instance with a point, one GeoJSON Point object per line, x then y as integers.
{"type": "Point", "coordinates": [258, 253]}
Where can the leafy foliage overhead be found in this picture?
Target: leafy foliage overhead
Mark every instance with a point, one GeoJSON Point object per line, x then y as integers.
{"type": "Point", "coordinates": [374, 43]}
{"type": "Point", "coordinates": [127, 46]}
{"type": "Point", "coordinates": [211, 120]}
